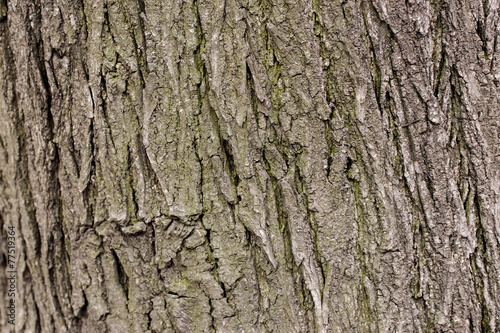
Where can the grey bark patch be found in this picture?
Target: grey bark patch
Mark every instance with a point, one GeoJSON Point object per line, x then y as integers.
{"type": "Point", "coordinates": [200, 166]}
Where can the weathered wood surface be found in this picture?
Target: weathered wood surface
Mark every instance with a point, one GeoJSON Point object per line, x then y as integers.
{"type": "Point", "coordinates": [251, 166]}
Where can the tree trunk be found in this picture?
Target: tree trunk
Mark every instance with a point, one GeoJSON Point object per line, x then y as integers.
{"type": "Point", "coordinates": [250, 166]}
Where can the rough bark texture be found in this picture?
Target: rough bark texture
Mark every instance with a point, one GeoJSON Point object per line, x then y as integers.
{"type": "Point", "coordinates": [251, 166]}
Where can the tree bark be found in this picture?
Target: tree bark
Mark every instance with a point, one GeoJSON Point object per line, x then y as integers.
{"type": "Point", "coordinates": [250, 166]}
